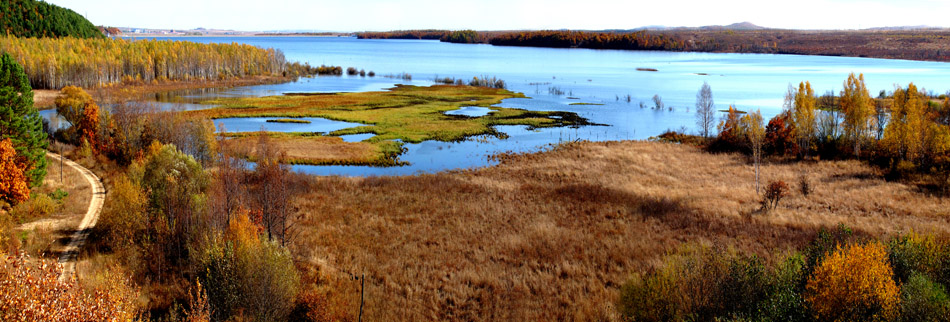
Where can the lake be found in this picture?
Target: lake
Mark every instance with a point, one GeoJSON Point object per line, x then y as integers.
{"type": "Point", "coordinates": [555, 78]}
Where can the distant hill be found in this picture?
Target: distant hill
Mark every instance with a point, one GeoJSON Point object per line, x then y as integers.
{"type": "Point", "coordinates": [736, 26]}
{"type": "Point", "coordinates": [30, 18]}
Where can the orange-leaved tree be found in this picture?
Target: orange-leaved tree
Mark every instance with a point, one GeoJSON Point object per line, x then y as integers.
{"type": "Point", "coordinates": [854, 283]}
{"type": "Point", "coordinates": [89, 125]}
{"type": "Point", "coordinates": [13, 183]}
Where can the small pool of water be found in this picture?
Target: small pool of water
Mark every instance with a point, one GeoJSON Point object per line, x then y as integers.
{"type": "Point", "coordinates": [471, 111]}
{"type": "Point", "coordinates": [253, 124]}
{"type": "Point", "coordinates": [357, 137]}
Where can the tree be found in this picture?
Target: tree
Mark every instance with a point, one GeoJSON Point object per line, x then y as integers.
{"type": "Point", "coordinates": [854, 284]}
{"type": "Point", "coordinates": [705, 109]}
{"type": "Point", "coordinates": [89, 126]}
{"type": "Point", "coordinates": [13, 187]}
{"type": "Point", "coordinates": [274, 191]}
{"type": "Point", "coordinates": [857, 105]}
{"type": "Point", "coordinates": [229, 187]}
{"type": "Point", "coordinates": [20, 121]}
{"type": "Point", "coordinates": [779, 133]}
{"type": "Point", "coordinates": [755, 134]}
{"type": "Point", "coordinates": [71, 102]}
{"type": "Point", "coordinates": [803, 116]}
{"type": "Point", "coordinates": [903, 134]}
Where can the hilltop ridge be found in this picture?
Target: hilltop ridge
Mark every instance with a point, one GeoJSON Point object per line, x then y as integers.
{"type": "Point", "coordinates": [37, 19]}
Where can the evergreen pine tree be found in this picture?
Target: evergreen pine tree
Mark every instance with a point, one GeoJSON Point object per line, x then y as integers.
{"type": "Point", "coordinates": [20, 121]}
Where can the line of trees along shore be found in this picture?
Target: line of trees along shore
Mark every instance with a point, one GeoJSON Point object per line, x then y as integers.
{"type": "Point", "coordinates": [927, 45]}
{"type": "Point", "coordinates": [640, 40]}
{"type": "Point", "coordinates": [53, 63]}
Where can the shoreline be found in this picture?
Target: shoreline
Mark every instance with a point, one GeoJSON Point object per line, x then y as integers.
{"type": "Point", "coordinates": [43, 99]}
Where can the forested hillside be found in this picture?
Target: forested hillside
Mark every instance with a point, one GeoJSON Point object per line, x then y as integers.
{"type": "Point", "coordinates": [30, 18]}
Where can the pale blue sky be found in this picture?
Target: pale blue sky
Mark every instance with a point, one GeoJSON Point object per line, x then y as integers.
{"type": "Point", "coordinates": [360, 15]}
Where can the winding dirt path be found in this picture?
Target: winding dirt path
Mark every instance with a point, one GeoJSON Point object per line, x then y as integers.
{"type": "Point", "coordinates": [68, 256]}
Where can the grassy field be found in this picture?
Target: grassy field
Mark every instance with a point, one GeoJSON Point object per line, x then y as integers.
{"type": "Point", "coordinates": [553, 235]}
{"type": "Point", "coordinates": [404, 114]}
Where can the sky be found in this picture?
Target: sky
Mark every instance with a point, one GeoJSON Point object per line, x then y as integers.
{"type": "Point", "coordinates": [381, 15]}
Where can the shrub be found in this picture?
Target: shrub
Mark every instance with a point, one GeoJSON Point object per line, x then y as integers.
{"type": "Point", "coordinates": [774, 192]}
{"type": "Point", "coordinates": [59, 195]}
{"type": "Point", "coordinates": [39, 206]}
{"type": "Point", "coordinates": [700, 284]}
{"type": "Point", "coordinates": [924, 300]}
{"type": "Point", "coordinates": [853, 284]}
{"type": "Point", "coordinates": [914, 253]}
{"type": "Point", "coordinates": [803, 185]}
{"type": "Point", "coordinates": [783, 300]}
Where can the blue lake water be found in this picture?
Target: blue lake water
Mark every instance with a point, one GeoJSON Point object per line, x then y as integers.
{"type": "Point", "coordinates": [550, 76]}
{"type": "Point", "coordinates": [252, 124]}
{"type": "Point", "coordinates": [470, 111]}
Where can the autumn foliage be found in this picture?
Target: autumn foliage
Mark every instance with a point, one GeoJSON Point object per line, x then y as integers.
{"type": "Point", "coordinates": [779, 135]}
{"type": "Point", "coordinates": [854, 283]}
{"type": "Point", "coordinates": [30, 291]}
{"type": "Point", "coordinates": [13, 183]}
{"type": "Point", "coordinates": [57, 62]}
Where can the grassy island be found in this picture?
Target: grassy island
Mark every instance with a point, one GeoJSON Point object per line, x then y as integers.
{"type": "Point", "coordinates": [404, 114]}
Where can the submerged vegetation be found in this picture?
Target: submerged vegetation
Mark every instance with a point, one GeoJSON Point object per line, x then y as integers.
{"type": "Point", "coordinates": [405, 114]}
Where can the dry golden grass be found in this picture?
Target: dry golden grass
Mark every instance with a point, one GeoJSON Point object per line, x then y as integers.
{"type": "Point", "coordinates": [314, 149]}
{"type": "Point", "coordinates": [552, 236]}
{"type": "Point", "coordinates": [44, 98]}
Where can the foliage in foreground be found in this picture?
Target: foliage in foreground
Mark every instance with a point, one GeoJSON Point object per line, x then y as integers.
{"type": "Point", "coordinates": [30, 291]}
{"type": "Point", "coordinates": [835, 278]}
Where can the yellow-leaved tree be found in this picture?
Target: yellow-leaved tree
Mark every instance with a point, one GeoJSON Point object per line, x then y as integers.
{"type": "Point", "coordinates": [854, 283]}
{"type": "Point", "coordinates": [903, 134]}
{"type": "Point", "coordinates": [803, 116]}
{"type": "Point", "coordinates": [857, 106]}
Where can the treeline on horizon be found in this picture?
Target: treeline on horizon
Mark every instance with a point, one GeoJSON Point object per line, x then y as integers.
{"type": "Point", "coordinates": [928, 45]}
{"type": "Point", "coordinates": [639, 40]}
{"type": "Point", "coordinates": [53, 63]}
{"type": "Point", "coordinates": [29, 18]}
